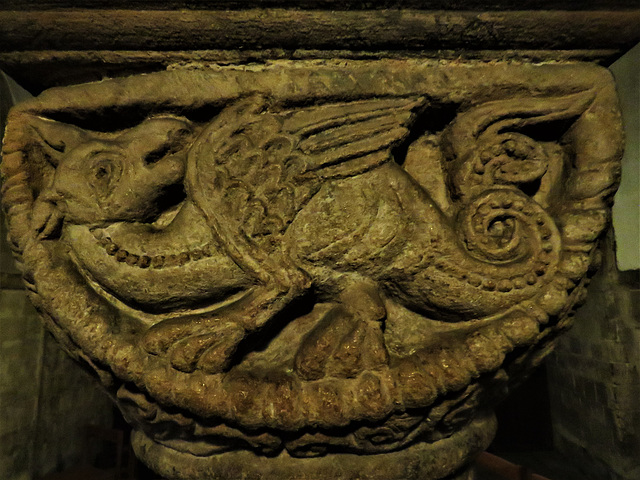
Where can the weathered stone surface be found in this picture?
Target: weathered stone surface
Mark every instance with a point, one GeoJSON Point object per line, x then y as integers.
{"type": "Point", "coordinates": [594, 377]}
{"type": "Point", "coordinates": [326, 263]}
{"type": "Point", "coordinates": [477, 5]}
{"type": "Point", "coordinates": [365, 30]}
{"type": "Point", "coordinates": [45, 44]}
{"type": "Point", "coordinates": [422, 460]}
{"type": "Point", "coordinates": [44, 397]}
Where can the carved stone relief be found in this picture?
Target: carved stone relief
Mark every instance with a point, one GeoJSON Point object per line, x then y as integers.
{"type": "Point", "coordinates": [310, 268]}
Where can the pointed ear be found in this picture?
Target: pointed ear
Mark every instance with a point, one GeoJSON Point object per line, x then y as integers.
{"type": "Point", "coordinates": [56, 138]}
{"type": "Point", "coordinates": [158, 137]}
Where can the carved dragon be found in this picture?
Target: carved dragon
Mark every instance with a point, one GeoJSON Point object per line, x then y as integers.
{"type": "Point", "coordinates": [209, 232]}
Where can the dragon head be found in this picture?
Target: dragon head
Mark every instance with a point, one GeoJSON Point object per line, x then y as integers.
{"type": "Point", "coordinates": [131, 175]}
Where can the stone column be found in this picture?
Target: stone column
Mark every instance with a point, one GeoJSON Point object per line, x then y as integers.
{"type": "Point", "coordinates": [307, 240]}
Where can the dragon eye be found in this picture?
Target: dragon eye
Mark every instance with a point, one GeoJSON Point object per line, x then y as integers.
{"type": "Point", "coordinates": [102, 170]}
{"type": "Point", "coordinates": [105, 170]}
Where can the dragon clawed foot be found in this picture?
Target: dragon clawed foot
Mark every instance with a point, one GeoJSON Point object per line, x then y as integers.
{"type": "Point", "coordinates": [207, 344]}
{"type": "Point", "coordinates": [347, 340]}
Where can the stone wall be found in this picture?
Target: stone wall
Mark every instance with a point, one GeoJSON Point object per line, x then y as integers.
{"type": "Point", "coordinates": [626, 210]}
{"type": "Point", "coordinates": [594, 379]}
{"type": "Point", "coordinates": [45, 398]}
{"type": "Point", "coordinates": [594, 376]}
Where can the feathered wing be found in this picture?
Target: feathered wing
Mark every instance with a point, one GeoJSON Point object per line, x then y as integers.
{"type": "Point", "coordinates": [252, 170]}
{"type": "Point", "coordinates": [342, 140]}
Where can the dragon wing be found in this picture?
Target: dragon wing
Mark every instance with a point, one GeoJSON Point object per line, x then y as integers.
{"type": "Point", "coordinates": [252, 170]}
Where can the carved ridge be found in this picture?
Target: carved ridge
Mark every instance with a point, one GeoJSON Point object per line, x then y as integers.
{"type": "Point", "coordinates": [142, 260]}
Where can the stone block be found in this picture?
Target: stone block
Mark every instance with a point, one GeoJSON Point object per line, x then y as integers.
{"type": "Point", "coordinates": [624, 397]}
{"type": "Point", "coordinates": [576, 345]}
{"type": "Point", "coordinates": [18, 318]}
{"type": "Point", "coordinates": [70, 399]}
{"type": "Point", "coordinates": [15, 455]}
{"type": "Point", "coordinates": [602, 396]}
{"type": "Point", "coordinates": [615, 351]}
{"type": "Point", "coordinates": [19, 365]}
{"type": "Point", "coordinates": [18, 412]}
{"type": "Point", "coordinates": [624, 373]}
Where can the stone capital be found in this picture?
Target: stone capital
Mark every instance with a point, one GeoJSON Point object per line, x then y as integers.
{"type": "Point", "coordinates": [323, 252]}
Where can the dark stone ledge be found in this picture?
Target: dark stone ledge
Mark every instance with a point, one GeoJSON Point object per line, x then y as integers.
{"type": "Point", "coordinates": [43, 47]}
{"type": "Point", "coordinates": [294, 29]}
{"type": "Point", "coordinates": [324, 4]}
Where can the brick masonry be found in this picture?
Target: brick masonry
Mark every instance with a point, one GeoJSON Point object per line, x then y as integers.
{"type": "Point", "coordinates": [594, 378]}
{"type": "Point", "coordinates": [45, 398]}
